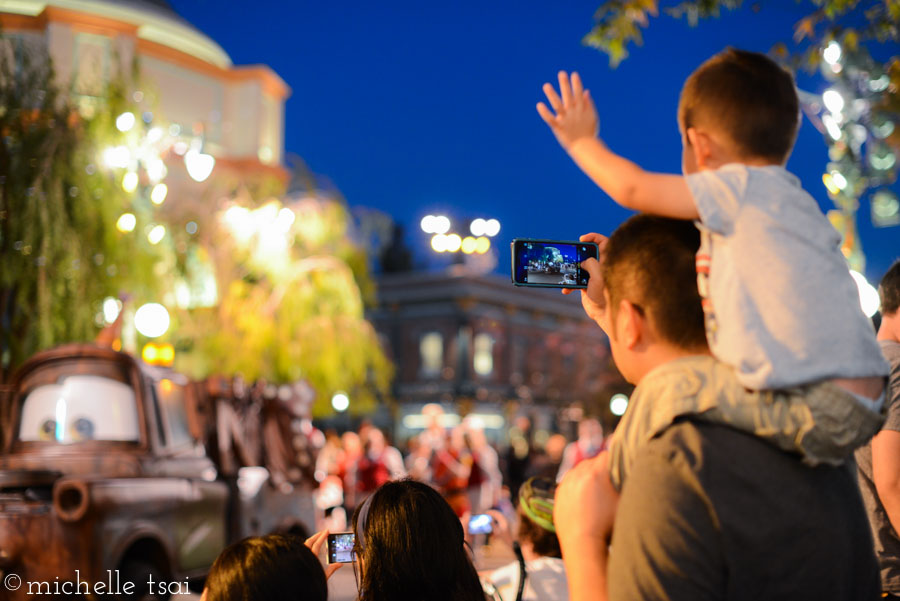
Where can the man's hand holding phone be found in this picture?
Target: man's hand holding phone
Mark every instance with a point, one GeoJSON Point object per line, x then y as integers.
{"type": "Point", "coordinates": [592, 298]}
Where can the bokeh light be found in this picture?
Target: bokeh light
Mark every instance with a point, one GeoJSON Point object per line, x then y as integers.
{"type": "Point", "coordinates": [151, 320]}
{"type": "Point", "coordinates": [618, 404]}
{"type": "Point", "coordinates": [833, 101]}
{"type": "Point", "coordinates": [125, 121]}
{"type": "Point", "coordinates": [454, 242]}
{"type": "Point", "coordinates": [340, 401]}
{"type": "Point", "coordinates": [156, 234]}
{"type": "Point", "coordinates": [158, 194]}
{"type": "Point", "coordinates": [439, 243]}
{"type": "Point", "coordinates": [126, 222]}
{"type": "Point", "coordinates": [868, 295]}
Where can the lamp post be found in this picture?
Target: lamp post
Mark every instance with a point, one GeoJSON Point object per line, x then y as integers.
{"type": "Point", "coordinates": [477, 240]}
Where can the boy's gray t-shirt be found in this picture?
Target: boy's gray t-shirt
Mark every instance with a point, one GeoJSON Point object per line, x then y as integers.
{"type": "Point", "coordinates": [887, 543]}
{"type": "Point", "coordinates": [781, 305]}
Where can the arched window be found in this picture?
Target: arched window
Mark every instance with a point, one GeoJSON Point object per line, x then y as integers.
{"type": "Point", "coordinates": [483, 360]}
{"type": "Point", "coordinates": [431, 353]}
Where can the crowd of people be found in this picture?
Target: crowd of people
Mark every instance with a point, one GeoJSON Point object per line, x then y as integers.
{"type": "Point", "coordinates": [758, 380]}
{"type": "Point", "coordinates": [471, 473]}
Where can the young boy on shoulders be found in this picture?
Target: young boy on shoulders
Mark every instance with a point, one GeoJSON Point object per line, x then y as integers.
{"type": "Point", "coordinates": [780, 305]}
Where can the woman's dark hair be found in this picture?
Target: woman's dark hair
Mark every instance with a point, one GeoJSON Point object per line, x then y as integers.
{"type": "Point", "coordinates": [261, 568]}
{"type": "Point", "coordinates": [411, 546]}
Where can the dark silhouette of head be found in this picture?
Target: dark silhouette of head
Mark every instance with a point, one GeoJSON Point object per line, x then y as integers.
{"type": "Point", "coordinates": [650, 262]}
{"type": "Point", "coordinates": [536, 500]}
{"type": "Point", "coordinates": [269, 567]}
{"type": "Point", "coordinates": [889, 289]}
{"type": "Point", "coordinates": [411, 547]}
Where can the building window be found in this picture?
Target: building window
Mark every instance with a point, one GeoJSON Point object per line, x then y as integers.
{"type": "Point", "coordinates": [431, 353]}
{"type": "Point", "coordinates": [483, 361]}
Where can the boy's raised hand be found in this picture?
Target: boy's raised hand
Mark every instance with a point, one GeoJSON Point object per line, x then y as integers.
{"type": "Point", "coordinates": [573, 115]}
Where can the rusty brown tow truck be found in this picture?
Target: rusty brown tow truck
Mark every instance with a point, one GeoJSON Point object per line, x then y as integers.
{"type": "Point", "coordinates": [105, 477]}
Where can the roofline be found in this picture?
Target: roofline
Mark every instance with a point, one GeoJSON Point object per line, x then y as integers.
{"type": "Point", "coordinates": [149, 25]}
{"type": "Point", "coordinates": [14, 17]}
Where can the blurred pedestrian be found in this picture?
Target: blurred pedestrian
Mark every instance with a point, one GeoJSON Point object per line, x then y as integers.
{"type": "Point", "coordinates": [546, 461]}
{"type": "Point", "coordinates": [539, 572]}
{"type": "Point", "coordinates": [410, 547]}
{"type": "Point", "coordinates": [378, 463]}
{"type": "Point", "coordinates": [277, 566]}
{"type": "Point", "coordinates": [879, 461]}
{"type": "Point", "coordinates": [485, 479]}
{"type": "Point", "coordinates": [518, 456]}
{"type": "Point", "coordinates": [589, 444]}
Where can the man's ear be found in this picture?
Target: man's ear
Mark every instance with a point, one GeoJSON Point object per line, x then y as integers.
{"type": "Point", "coordinates": [631, 324]}
{"type": "Point", "coordinates": [701, 145]}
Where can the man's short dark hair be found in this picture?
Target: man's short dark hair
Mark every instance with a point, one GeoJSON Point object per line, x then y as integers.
{"type": "Point", "coordinates": [650, 261]}
{"type": "Point", "coordinates": [889, 290]}
{"type": "Point", "coordinates": [748, 97]}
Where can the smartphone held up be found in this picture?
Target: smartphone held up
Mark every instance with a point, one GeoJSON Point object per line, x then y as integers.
{"type": "Point", "coordinates": [340, 547]}
{"type": "Point", "coordinates": [551, 263]}
{"type": "Point", "coordinates": [480, 523]}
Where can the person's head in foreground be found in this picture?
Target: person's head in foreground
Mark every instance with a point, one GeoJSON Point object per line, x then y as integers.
{"type": "Point", "coordinates": [740, 105]}
{"type": "Point", "coordinates": [410, 547]}
{"type": "Point", "coordinates": [650, 288]}
{"type": "Point", "coordinates": [889, 290]}
{"type": "Point", "coordinates": [262, 568]}
{"type": "Point", "coordinates": [536, 531]}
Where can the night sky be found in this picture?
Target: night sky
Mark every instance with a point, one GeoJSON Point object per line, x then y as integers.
{"type": "Point", "coordinates": [420, 107]}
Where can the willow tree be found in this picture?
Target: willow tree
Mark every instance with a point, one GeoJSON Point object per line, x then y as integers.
{"type": "Point", "coordinates": [290, 277]}
{"type": "Point", "coordinates": [60, 252]}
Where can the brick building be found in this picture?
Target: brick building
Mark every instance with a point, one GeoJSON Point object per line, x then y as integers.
{"type": "Point", "coordinates": [477, 344]}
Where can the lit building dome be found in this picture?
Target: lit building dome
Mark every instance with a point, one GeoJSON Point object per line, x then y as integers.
{"type": "Point", "coordinates": [186, 78]}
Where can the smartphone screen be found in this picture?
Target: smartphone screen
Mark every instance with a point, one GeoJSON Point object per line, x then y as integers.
{"type": "Point", "coordinates": [550, 263]}
{"type": "Point", "coordinates": [340, 547]}
{"type": "Point", "coordinates": [480, 524]}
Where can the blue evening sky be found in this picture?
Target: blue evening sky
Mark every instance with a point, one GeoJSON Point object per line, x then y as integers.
{"type": "Point", "coordinates": [418, 107]}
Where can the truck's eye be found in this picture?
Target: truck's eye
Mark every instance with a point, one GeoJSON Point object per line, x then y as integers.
{"type": "Point", "coordinates": [47, 430]}
{"type": "Point", "coordinates": [82, 429]}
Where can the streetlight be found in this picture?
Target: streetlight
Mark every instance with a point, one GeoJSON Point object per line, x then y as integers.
{"type": "Point", "coordinates": [443, 240]}
{"type": "Point", "coordinates": [340, 401]}
{"type": "Point", "coordinates": [618, 404]}
{"type": "Point", "coordinates": [151, 320]}
{"type": "Point", "coordinates": [435, 224]}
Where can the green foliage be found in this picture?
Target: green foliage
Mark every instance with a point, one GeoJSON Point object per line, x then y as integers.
{"type": "Point", "coordinates": [60, 253]}
{"type": "Point", "coordinates": [619, 23]}
{"type": "Point", "coordinates": [291, 304]}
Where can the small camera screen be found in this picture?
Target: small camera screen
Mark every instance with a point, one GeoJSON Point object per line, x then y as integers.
{"type": "Point", "coordinates": [340, 547]}
{"type": "Point", "coordinates": [551, 263]}
{"type": "Point", "coordinates": [480, 524]}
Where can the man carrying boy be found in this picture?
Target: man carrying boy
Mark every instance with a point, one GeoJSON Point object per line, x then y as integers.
{"type": "Point", "coordinates": [879, 462]}
{"type": "Point", "coordinates": [780, 306]}
{"type": "Point", "coordinates": [707, 511]}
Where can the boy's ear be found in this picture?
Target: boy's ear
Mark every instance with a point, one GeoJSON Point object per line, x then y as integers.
{"type": "Point", "coordinates": [632, 324]}
{"type": "Point", "coordinates": [701, 145]}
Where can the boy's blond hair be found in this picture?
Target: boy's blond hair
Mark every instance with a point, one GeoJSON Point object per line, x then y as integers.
{"type": "Point", "coordinates": [747, 97]}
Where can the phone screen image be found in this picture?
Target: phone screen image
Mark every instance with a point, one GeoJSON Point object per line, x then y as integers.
{"type": "Point", "coordinates": [480, 524]}
{"type": "Point", "coordinates": [340, 547]}
{"type": "Point", "coordinates": [551, 264]}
